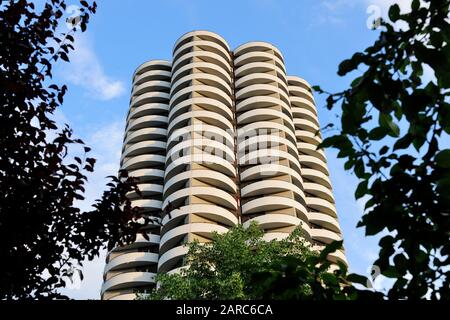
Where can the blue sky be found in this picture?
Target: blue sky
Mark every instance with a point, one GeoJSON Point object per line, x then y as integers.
{"type": "Point", "coordinates": [314, 36]}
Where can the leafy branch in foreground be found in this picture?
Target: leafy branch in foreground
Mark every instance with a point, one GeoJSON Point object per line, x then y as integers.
{"type": "Point", "coordinates": [395, 120]}
{"type": "Point", "coordinates": [44, 237]}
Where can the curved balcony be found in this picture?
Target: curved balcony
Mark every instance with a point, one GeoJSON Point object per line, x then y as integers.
{"type": "Point", "coordinates": [271, 203]}
{"type": "Point", "coordinates": [147, 205]}
{"type": "Point", "coordinates": [148, 109]}
{"type": "Point", "coordinates": [311, 150]}
{"type": "Point", "coordinates": [210, 161]}
{"type": "Point", "coordinates": [308, 137]}
{"type": "Point", "coordinates": [206, 56]}
{"type": "Point", "coordinates": [260, 78]}
{"type": "Point", "coordinates": [150, 86]}
{"type": "Point", "coordinates": [206, 104]}
{"type": "Point", "coordinates": [314, 163]}
{"type": "Point", "coordinates": [144, 161]}
{"type": "Point", "coordinates": [268, 156]}
{"type": "Point", "coordinates": [261, 90]}
{"type": "Point", "coordinates": [143, 147]}
{"type": "Point", "coordinates": [152, 65]}
{"type": "Point", "coordinates": [209, 177]}
{"type": "Point", "coordinates": [201, 129]}
{"type": "Point", "coordinates": [265, 171]}
{"type": "Point", "coordinates": [259, 67]}
{"type": "Point", "coordinates": [205, 90]}
{"type": "Point", "coordinates": [145, 134]}
{"type": "Point", "coordinates": [319, 191]}
{"type": "Point", "coordinates": [200, 146]}
{"type": "Point", "coordinates": [201, 67]}
{"type": "Point", "coordinates": [149, 97]}
{"type": "Point", "coordinates": [258, 46]}
{"type": "Point", "coordinates": [297, 81]}
{"type": "Point", "coordinates": [301, 92]}
{"type": "Point", "coordinates": [131, 260]}
{"type": "Point", "coordinates": [324, 220]}
{"type": "Point", "coordinates": [208, 117]}
{"type": "Point", "coordinates": [207, 79]}
{"type": "Point", "coordinates": [321, 205]}
{"type": "Point", "coordinates": [210, 194]}
{"type": "Point", "coordinates": [303, 103]}
{"type": "Point", "coordinates": [146, 190]}
{"type": "Point", "coordinates": [268, 222]}
{"type": "Point", "coordinates": [258, 56]}
{"type": "Point", "coordinates": [174, 235]}
{"type": "Point", "coordinates": [152, 75]}
{"type": "Point", "coordinates": [146, 122]}
{"type": "Point", "coordinates": [257, 115]}
{"type": "Point", "coordinates": [202, 45]}
{"type": "Point", "coordinates": [307, 125]}
{"type": "Point", "coordinates": [207, 211]}
{"type": "Point", "coordinates": [270, 187]}
{"type": "Point", "coordinates": [171, 257]}
{"type": "Point", "coordinates": [316, 176]}
{"type": "Point", "coordinates": [129, 280]}
{"type": "Point", "coordinates": [201, 35]}
{"type": "Point", "coordinates": [255, 128]}
{"type": "Point", "coordinates": [139, 242]}
{"type": "Point", "coordinates": [338, 255]}
{"type": "Point", "coordinates": [325, 236]}
{"type": "Point", "coordinates": [266, 141]}
{"type": "Point", "coordinates": [146, 175]}
{"type": "Point", "coordinates": [302, 113]}
{"type": "Point", "coordinates": [262, 102]}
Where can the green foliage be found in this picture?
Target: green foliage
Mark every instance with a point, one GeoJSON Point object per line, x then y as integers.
{"type": "Point", "coordinates": [44, 237]}
{"type": "Point", "coordinates": [394, 120]}
{"type": "Point", "coordinates": [239, 264]}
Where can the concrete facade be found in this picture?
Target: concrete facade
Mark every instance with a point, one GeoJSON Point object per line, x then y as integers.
{"type": "Point", "coordinates": [219, 137]}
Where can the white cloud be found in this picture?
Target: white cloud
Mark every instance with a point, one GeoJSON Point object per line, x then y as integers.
{"type": "Point", "coordinates": [106, 143]}
{"type": "Point", "coordinates": [86, 70]}
{"type": "Point", "coordinates": [332, 11]}
{"type": "Point", "coordinates": [384, 5]}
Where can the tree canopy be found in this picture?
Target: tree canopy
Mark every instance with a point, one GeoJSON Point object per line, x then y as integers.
{"type": "Point", "coordinates": [240, 264]}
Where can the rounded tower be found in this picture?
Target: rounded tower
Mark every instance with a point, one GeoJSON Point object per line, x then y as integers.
{"type": "Point", "coordinates": [131, 269]}
{"type": "Point", "coordinates": [319, 198]}
{"type": "Point", "coordinates": [200, 186]}
{"type": "Point", "coordinates": [270, 172]}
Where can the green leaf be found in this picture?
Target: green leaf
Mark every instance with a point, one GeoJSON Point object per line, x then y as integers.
{"type": "Point", "coordinates": [356, 278]}
{"type": "Point", "coordinates": [394, 12]}
{"type": "Point", "coordinates": [377, 133]}
{"type": "Point", "coordinates": [384, 150]}
{"type": "Point", "coordinates": [361, 190]}
{"type": "Point", "coordinates": [391, 272]}
{"type": "Point", "coordinates": [330, 248]}
{"type": "Point", "coordinates": [64, 56]}
{"type": "Point", "coordinates": [359, 169]}
{"type": "Point", "coordinates": [386, 122]}
{"type": "Point", "coordinates": [403, 142]}
{"type": "Point", "coordinates": [350, 64]}
{"type": "Point", "coordinates": [443, 159]}
{"type": "Point", "coordinates": [317, 89]}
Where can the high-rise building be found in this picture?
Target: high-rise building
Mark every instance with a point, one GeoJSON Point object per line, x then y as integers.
{"type": "Point", "coordinates": [219, 137]}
